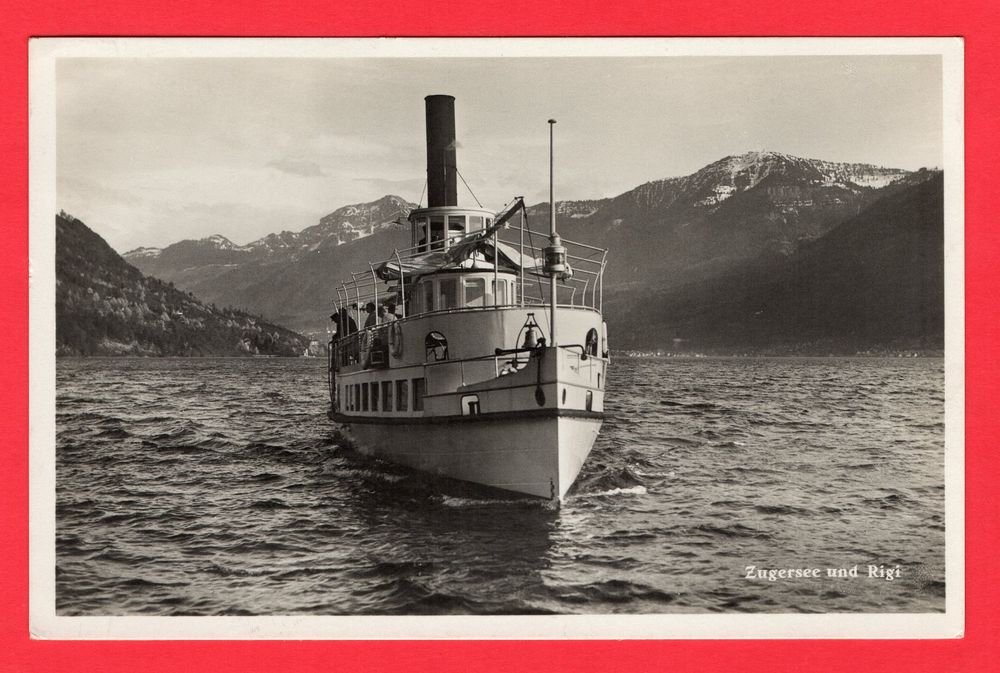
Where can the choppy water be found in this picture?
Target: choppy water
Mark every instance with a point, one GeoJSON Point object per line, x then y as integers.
{"type": "Point", "coordinates": [209, 487]}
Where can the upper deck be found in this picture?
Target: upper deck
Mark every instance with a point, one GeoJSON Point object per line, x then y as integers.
{"type": "Point", "coordinates": [472, 258]}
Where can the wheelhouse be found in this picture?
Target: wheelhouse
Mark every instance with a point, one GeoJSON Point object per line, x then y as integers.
{"type": "Point", "coordinates": [441, 227]}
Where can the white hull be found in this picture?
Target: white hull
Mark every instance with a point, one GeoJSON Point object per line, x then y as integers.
{"type": "Point", "coordinates": [538, 455]}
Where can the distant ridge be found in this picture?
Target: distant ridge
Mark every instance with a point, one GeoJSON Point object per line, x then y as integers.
{"type": "Point", "coordinates": [343, 225]}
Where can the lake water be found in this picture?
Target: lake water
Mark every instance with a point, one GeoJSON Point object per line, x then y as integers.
{"type": "Point", "coordinates": [218, 487]}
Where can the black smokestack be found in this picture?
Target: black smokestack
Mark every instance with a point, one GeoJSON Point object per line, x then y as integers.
{"type": "Point", "coordinates": [442, 171]}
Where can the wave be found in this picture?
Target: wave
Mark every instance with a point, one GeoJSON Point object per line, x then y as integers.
{"type": "Point", "coordinates": [182, 431]}
{"type": "Point", "coordinates": [266, 478]}
{"type": "Point", "coordinates": [613, 591]}
{"type": "Point", "coordinates": [735, 530]}
{"type": "Point", "coordinates": [233, 571]}
{"type": "Point", "coordinates": [460, 502]}
{"type": "Point", "coordinates": [113, 433]}
{"type": "Point", "coordinates": [270, 504]}
{"type": "Point", "coordinates": [632, 490]}
{"type": "Point", "coordinates": [781, 509]}
{"type": "Point", "coordinates": [609, 478]}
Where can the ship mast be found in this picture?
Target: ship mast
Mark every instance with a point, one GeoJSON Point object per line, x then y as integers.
{"type": "Point", "coordinates": [555, 253]}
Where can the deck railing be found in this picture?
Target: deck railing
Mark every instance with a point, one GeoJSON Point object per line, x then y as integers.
{"type": "Point", "coordinates": [584, 287]}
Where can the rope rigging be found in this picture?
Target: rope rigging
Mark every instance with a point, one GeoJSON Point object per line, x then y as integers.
{"type": "Point", "coordinates": [468, 187]}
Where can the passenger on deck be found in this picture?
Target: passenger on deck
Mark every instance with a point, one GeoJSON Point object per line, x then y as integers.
{"type": "Point", "coordinates": [372, 318]}
{"type": "Point", "coordinates": [343, 323]}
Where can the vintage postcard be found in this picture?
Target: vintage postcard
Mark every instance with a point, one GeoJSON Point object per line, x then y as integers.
{"type": "Point", "coordinates": [496, 338]}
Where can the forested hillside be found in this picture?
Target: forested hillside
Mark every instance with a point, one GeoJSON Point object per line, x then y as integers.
{"type": "Point", "coordinates": [105, 306]}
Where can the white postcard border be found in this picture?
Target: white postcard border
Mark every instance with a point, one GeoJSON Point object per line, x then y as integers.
{"type": "Point", "coordinates": [44, 623]}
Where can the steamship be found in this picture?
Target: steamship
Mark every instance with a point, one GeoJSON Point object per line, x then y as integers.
{"type": "Point", "coordinates": [478, 353]}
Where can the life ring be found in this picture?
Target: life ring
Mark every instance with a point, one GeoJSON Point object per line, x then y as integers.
{"type": "Point", "coordinates": [396, 339]}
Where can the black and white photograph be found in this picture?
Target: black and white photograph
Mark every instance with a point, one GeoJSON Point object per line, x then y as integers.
{"type": "Point", "coordinates": [496, 337]}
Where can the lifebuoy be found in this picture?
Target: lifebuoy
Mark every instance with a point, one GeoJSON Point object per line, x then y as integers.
{"type": "Point", "coordinates": [396, 339]}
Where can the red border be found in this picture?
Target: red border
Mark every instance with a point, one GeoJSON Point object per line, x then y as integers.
{"type": "Point", "coordinates": [977, 21]}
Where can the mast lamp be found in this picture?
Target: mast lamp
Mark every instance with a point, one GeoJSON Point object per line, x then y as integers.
{"type": "Point", "coordinates": [555, 257]}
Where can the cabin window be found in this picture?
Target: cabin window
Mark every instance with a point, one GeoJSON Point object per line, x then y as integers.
{"type": "Point", "coordinates": [475, 222]}
{"type": "Point", "coordinates": [357, 396]}
{"type": "Point", "coordinates": [375, 387]}
{"type": "Point", "coordinates": [345, 397]}
{"type": "Point", "coordinates": [421, 233]}
{"type": "Point", "coordinates": [489, 221]}
{"type": "Point", "coordinates": [419, 386]}
{"type": "Point", "coordinates": [364, 397]}
{"type": "Point", "coordinates": [470, 405]}
{"type": "Point", "coordinates": [456, 228]}
{"type": "Point", "coordinates": [447, 293]}
{"type": "Point", "coordinates": [500, 292]}
{"type": "Point", "coordinates": [475, 292]}
{"type": "Point", "coordinates": [436, 346]}
{"type": "Point", "coordinates": [590, 400]}
{"type": "Point", "coordinates": [437, 232]}
{"type": "Point", "coordinates": [428, 295]}
{"type": "Point", "coordinates": [387, 395]}
{"type": "Point", "coordinates": [402, 395]}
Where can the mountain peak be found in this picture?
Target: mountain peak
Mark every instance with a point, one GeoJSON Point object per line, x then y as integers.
{"type": "Point", "coordinates": [219, 241]}
{"type": "Point", "coordinates": [358, 220]}
{"type": "Point", "coordinates": [739, 172]}
{"type": "Point", "coordinates": [756, 157]}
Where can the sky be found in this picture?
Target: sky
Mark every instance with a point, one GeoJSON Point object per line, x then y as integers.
{"type": "Point", "coordinates": [151, 151]}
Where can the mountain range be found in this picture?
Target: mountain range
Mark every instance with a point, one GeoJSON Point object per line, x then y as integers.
{"type": "Point", "coordinates": [105, 306]}
{"type": "Point", "coordinates": [343, 225]}
{"type": "Point", "coordinates": [741, 217]}
{"type": "Point", "coordinates": [875, 283]}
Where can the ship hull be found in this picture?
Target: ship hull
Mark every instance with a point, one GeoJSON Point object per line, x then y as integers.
{"type": "Point", "coordinates": [535, 453]}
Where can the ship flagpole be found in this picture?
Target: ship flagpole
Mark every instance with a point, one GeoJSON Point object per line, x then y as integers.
{"type": "Point", "coordinates": [555, 253]}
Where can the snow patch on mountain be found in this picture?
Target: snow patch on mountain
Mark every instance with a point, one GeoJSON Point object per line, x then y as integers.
{"type": "Point", "coordinates": [219, 241]}
{"type": "Point", "coordinates": [725, 178]}
{"type": "Point", "coordinates": [719, 194]}
{"type": "Point", "coordinates": [143, 253]}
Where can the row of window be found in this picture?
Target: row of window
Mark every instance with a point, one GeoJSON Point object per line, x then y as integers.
{"type": "Point", "coordinates": [380, 395]}
{"type": "Point", "coordinates": [435, 236]}
{"type": "Point", "coordinates": [439, 294]}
